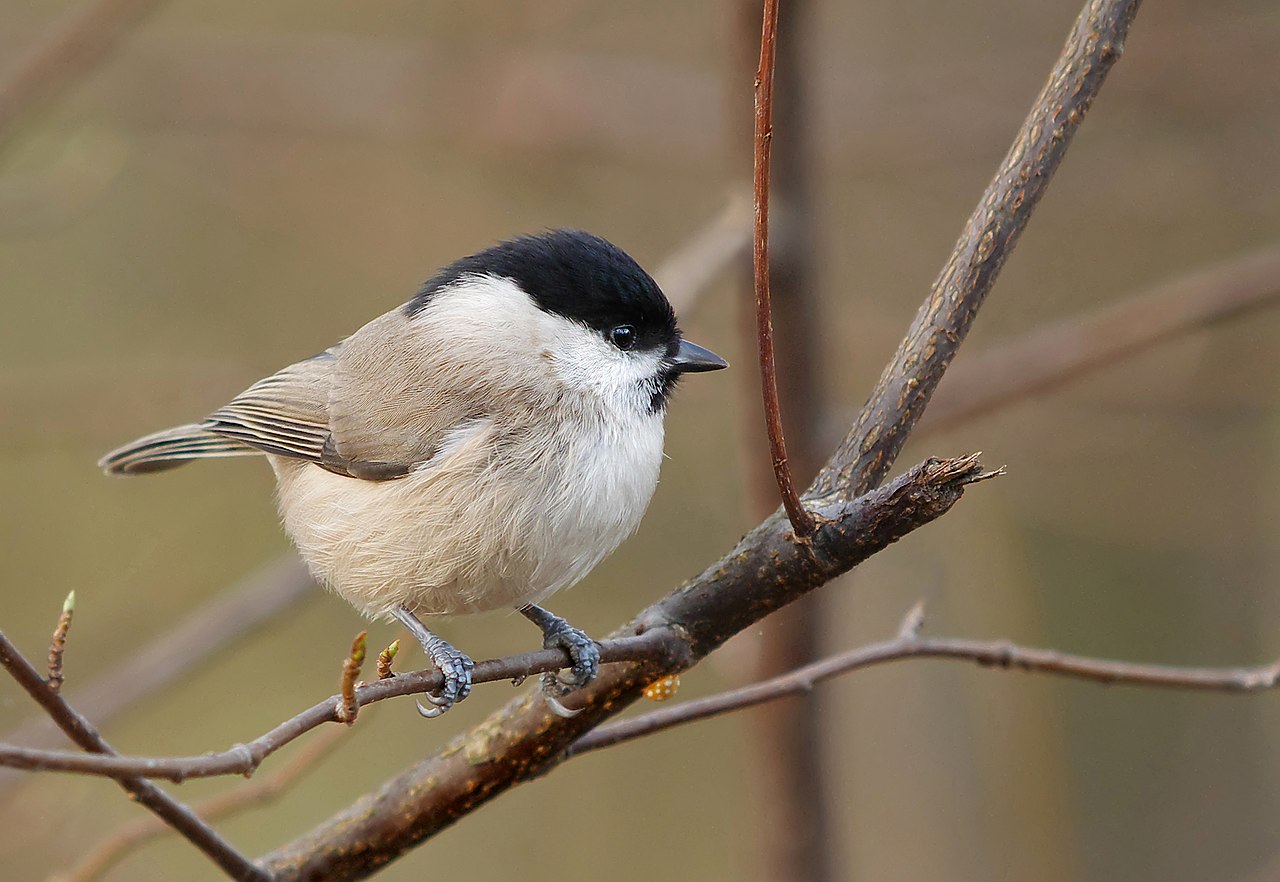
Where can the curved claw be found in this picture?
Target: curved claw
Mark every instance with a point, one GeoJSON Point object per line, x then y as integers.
{"type": "Point", "coordinates": [584, 653]}
{"type": "Point", "coordinates": [584, 656]}
{"type": "Point", "coordinates": [559, 709]}
{"type": "Point", "coordinates": [456, 669]}
{"type": "Point", "coordinates": [454, 665]}
{"type": "Point", "coordinates": [429, 713]}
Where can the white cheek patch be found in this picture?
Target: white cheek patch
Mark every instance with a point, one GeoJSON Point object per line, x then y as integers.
{"type": "Point", "coordinates": [498, 321]}
{"type": "Point", "coordinates": [587, 362]}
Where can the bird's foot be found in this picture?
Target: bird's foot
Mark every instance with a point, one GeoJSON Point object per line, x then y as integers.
{"type": "Point", "coordinates": [584, 656]}
{"type": "Point", "coordinates": [454, 665]}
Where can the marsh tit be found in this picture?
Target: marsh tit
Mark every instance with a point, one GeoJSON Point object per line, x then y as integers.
{"type": "Point", "coordinates": [482, 446]}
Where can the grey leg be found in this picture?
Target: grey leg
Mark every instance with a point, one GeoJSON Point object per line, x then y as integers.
{"type": "Point", "coordinates": [454, 664]}
{"type": "Point", "coordinates": [559, 634]}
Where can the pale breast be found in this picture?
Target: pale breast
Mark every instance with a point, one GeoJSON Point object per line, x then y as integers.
{"type": "Point", "coordinates": [500, 518]}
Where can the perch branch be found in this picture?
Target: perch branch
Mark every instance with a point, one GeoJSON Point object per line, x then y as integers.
{"type": "Point", "coordinates": [525, 739]}
{"type": "Point", "coordinates": [244, 759]}
{"type": "Point", "coordinates": [857, 530]}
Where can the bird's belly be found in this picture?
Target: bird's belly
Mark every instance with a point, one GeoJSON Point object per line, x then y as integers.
{"type": "Point", "coordinates": [475, 531]}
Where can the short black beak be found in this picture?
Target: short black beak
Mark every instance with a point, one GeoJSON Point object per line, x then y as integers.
{"type": "Point", "coordinates": [691, 358]}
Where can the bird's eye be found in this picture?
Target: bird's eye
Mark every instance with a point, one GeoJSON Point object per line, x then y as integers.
{"type": "Point", "coordinates": [624, 337]}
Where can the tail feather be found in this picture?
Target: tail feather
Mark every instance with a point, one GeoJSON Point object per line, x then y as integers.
{"type": "Point", "coordinates": [171, 448]}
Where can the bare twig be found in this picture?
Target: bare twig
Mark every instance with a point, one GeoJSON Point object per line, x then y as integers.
{"type": "Point", "coordinates": [793, 837]}
{"type": "Point", "coordinates": [174, 813]}
{"type": "Point", "coordinates": [346, 708]}
{"type": "Point", "coordinates": [58, 643]}
{"type": "Point", "coordinates": [116, 847]}
{"type": "Point", "coordinates": [235, 613]}
{"type": "Point", "coordinates": [385, 658]}
{"type": "Point", "coordinates": [1057, 353]}
{"type": "Point", "coordinates": [802, 521]}
{"type": "Point", "coordinates": [77, 42]}
{"type": "Point", "coordinates": [997, 654]}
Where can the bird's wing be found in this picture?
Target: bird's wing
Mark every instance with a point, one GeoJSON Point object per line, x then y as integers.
{"type": "Point", "coordinates": [395, 394]}
{"type": "Point", "coordinates": [285, 414]}
{"type": "Point", "coordinates": [372, 407]}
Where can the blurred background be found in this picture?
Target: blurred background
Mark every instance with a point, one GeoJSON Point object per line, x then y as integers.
{"type": "Point", "coordinates": [235, 186]}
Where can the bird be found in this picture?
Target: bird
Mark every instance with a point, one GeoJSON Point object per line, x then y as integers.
{"type": "Point", "coordinates": [480, 447]}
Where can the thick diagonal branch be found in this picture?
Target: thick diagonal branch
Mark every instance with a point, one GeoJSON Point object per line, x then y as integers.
{"type": "Point", "coordinates": [870, 447]}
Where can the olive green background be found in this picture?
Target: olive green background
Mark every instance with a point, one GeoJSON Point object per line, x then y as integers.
{"type": "Point", "coordinates": [241, 184]}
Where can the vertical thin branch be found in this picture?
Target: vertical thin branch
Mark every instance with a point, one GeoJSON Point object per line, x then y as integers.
{"type": "Point", "coordinates": [802, 522]}
{"type": "Point", "coordinates": [791, 834]}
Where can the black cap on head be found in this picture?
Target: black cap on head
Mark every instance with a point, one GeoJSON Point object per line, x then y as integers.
{"type": "Point", "coordinates": [574, 274]}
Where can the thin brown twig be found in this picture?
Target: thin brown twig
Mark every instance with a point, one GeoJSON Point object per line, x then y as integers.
{"type": "Point", "coordinates": [385, 658]}
{"type": "Point", "coordinates": [237, 612]}
{"type": "Point", "coordinates": [802, 521]}
{"type": "Point", "coordinates": [174, 813]}
{"type": "Point", "coordinates": [793, 838]}
{"type": "Point", "coordinates": [346, 708]}
{"type": "Point", "coordinates": [244, 759]}
{"type": "Point", "coordinates": [994, 654]}
{"type": "Point", "coordinates": [58, 643]}
{"type": "Point", "coordinates": [110, 851]}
